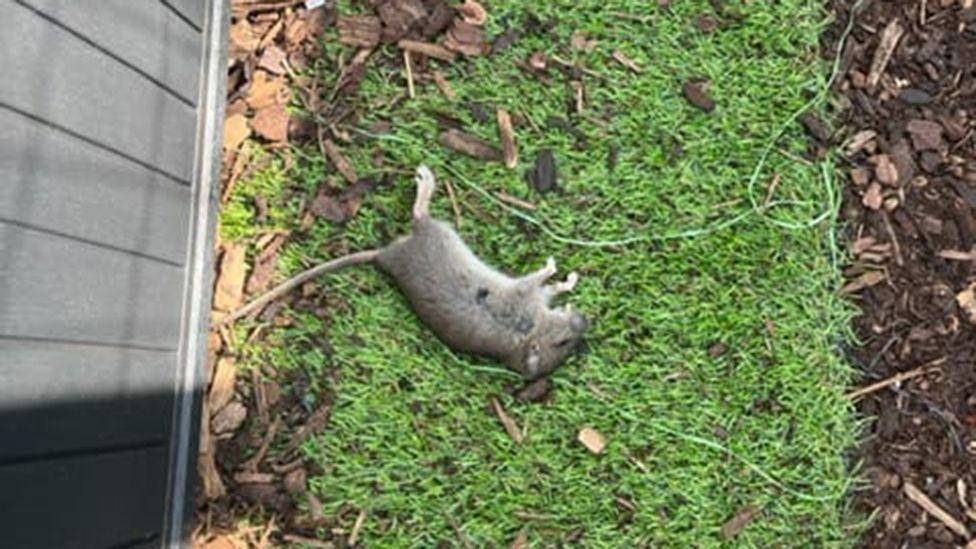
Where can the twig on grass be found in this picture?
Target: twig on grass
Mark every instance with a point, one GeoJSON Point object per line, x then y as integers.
{"type": "Point", "coordinates": [897, 378]}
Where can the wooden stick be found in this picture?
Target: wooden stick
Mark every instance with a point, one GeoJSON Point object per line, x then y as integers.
{"type": "Point", "coordinates": [442, 84]}
{"type": "Point", "coordinates": [510, 426]}
{"type": "Point", "coordinates": [897, 378]}
{"type": "Point", "coordinates": [933, 509]}
{"type": "Point", "coordinates": [889, 41]}
{"type": "Point", "coordinates": [409, 68]}
{"type": "Point", "coordinates": [430, 50]}
{"type": "Point", "coordinates": [357, 528]}
{"type": "Point", "coordinates": [514, 201]}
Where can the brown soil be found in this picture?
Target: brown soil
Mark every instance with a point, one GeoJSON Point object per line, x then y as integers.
{"type": "Point", "coordinates": [909, 210]}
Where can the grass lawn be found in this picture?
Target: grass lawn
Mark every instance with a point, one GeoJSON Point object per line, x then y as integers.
{"type": "Point", "coordinates": [693, 436]}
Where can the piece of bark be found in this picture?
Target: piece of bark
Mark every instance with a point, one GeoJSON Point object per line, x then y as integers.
{"type": "Point", "coordinates": [360, 30]}
{"type": "Point", "coordinates": [229, 418]}
{"type": "Point", "coordinates": [266, 90]}
{"type": "Point", "coordinates": [507, 136]}
{"type": "Point", "coordinates": [697, 95]}
{"type": "Point", "coordinates": [340, 161]}
{"type": "Point", "coordinates": [510, 426]}
{"type": "Point", "coordinates": [470, 145]}
{"type": "Point", "coordinates": [222, 385]}
{"type": "Point", "coordinates": [229, 290]}
{"type": "Point", "coordinates": [465, 38]}
{"type": "Point", "coordinates": [273, 60]}
{"type": "Point", "coordinates": [440, 18]}
{"type": "Point", "coordinates": [399, 17]}
{"type": "Point", "coordinates": [738, 523]}
{"type": "Point", "coordinates": [890, 37]}
{"type": "Point", "coordinates": [271, 123]}
{"type": "Point", "coordinates": [473, 13]}
{"type": "Point", "coordinates": [436, 51]}
{"type": "Point", "coordinates": [213, 485]}
{"type": "Point", "coordinates": [236, 131]}
{"type": "Point", "coordinates": [592, 439]}
{"type": "Point", "coordinates": [543, 176]}
{"type": "Point", "coordinates": [264, 265]}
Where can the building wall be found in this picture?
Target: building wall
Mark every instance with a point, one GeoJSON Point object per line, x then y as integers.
{"type": "Point", "coordinates": [109, 118]}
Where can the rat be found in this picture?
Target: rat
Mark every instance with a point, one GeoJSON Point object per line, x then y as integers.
{"type": "Point", "coordinates": [470, 306]}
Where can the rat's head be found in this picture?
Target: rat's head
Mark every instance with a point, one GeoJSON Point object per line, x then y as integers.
{"type": "Point", "coordinates": [557, 335]}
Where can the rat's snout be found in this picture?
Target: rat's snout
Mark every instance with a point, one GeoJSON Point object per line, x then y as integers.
{"type": "Point", "coordinates": [578, 324]}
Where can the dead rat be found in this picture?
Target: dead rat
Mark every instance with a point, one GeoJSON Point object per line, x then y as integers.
{"type": "Point", "coordinates": [470, 306]}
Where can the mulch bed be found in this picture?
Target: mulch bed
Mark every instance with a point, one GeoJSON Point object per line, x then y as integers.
{"type": "Point", "coordinates": [907, 94]}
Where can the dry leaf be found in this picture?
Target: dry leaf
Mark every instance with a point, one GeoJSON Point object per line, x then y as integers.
{"type": "Point", "coordinates": [866, 280]}
{"type": "Point", "coordinates": [236, 131]}
{"type": "Point", "coordinates": [507, 135]}
{"type": "Point", "coordinates": [873, 198]}
{"type": "Point", "coordinates": [966, 300]}
{"type": "Point", "coordinates": [229, 290]}
{"type": "Point", "coordinates": [266, 90]}
{"type": "Point", "coordinates": [510, 426]}
{"type": "Point", "coordinates": [220, 542]}
{"type": "Point", "coordinates": [738, 523]}
{"type": "Point", "coordinates": [592, 439]}
{"type": "Point", "coordinates": [264, 265]}
{"type": "Point", "coordinates": [470, 145]}
{"type": "Point", "coordinates": [271, 123]}
{"type": "Point", "coordinates": [229, 418]}
{"type": "Point", "coordinates": [222, 386]}
{"type": "Point", "coordinates": [473, 13]}
{"type": "Point", "coordinates": [697, 94]}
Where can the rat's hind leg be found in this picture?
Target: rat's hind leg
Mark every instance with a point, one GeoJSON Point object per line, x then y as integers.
{"type": "Point", "coordinates": [425, 190]}
{"type": "Point", "coordinates": [565, 286]}
{"type": "Point", "coordinates": [540, 276]}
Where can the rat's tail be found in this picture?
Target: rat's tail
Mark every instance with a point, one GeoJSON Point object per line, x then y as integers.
{"type": "Point", "coordinates": [357, 258]}
{"type": "Point", "coordinates": [426, 184]}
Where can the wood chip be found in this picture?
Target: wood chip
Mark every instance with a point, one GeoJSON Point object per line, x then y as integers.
{"type": "Point", "coordinates": [266, 90]}
{"type": "Point", "coordinates": [273, 60]}
{"type": "Point", "coordinates": [213, 486]}
{"type": "Point", "coordinates": [295, 482]}
{"type": "Point", "coordinates": [592, 439]}
{"type": "Point", "coordinates": [866, 280]}
{"type": "Point", "coordinates": [243, 41]}
{"type": "Point", "coordinates": [466, 39]}
{"type": "Point", "coordinates": [229, 289]}
{"type": "Point", "coordinates": [229, 418]}
{"type": "Point", "coordinates": [470, 145]}
{"type": "Point", "coordinates": [443, 85]}
{"type": "Point", "coordinates": [507, 135]}
{"type": "Point", "coordinates": [543, 176]}
{"type": "Point", "coordinates": [436, 51]}
{"type": "Point", "coordinates": [859, 141]}
{"type": "Point", "coordinates": [890, 37]}
{"type": "Point", "coordinates": [926, 135]}
{"type": "Point", "coordinates": [696, 94]}
{"type": "Point", "coordinates": [271, 123]}
{"type": "Point", "coordinates": [340, 161]}
{"type": "Point", "coordinates": [934, 510]}
{"type": "Point", "coordinates": [265, 264]}
{"type": "Point", "coordinates": [897, 379]}
{"type": "Point", "coordinates": [222, 385]}
{"type": "Point", "coordinates": [738, 523]}
{"type": "Point", "coordinates": [626, 61]}
{"type": "Point", "coordinates": [873, 197]}
{"type": "Point", "coordinates": [511, 427]}
{"type": "Point", "coordinates": [966, 300]}
{"type": "Point", "coordinates": [236, 130]}
{"type": "Point", "coordinates": [359, 30]}
{"type": "Point", "coordinates": [253, 463]}
{"type": "Point", "coordinates": [958, 255]}
{"type": "Point", "coordinates": [472, 13]}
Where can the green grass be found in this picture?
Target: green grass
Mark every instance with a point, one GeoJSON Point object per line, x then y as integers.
{"type": "Point", "coordinates": [692, 439]}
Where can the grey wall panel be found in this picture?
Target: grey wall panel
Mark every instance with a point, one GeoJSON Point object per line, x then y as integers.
{"type": "Point", "coordinates": [54, 181]}
{"type": "Point", "coordinates": [58, 397]}
{"type": "Point", "coordinates": [192, 10]}
{"type": "Point", "coordinates": [144, 35]}
{"type": "Point", "coordinates": [60, 78]}
{"type": "Point", "coordinates": [53, 287]}
{"type": "Point", "coordinates": [80, 502]}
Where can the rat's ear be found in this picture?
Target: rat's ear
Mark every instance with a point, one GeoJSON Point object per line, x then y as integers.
{"type": "Point", "coordinates": [578, 323]}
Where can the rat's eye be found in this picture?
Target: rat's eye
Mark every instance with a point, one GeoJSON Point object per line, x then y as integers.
{"type": "Point", "coordinates": [564, 343]}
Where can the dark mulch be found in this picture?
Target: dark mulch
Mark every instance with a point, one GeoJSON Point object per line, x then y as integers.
{"type": "Point", "coordinates": [912, 190]}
